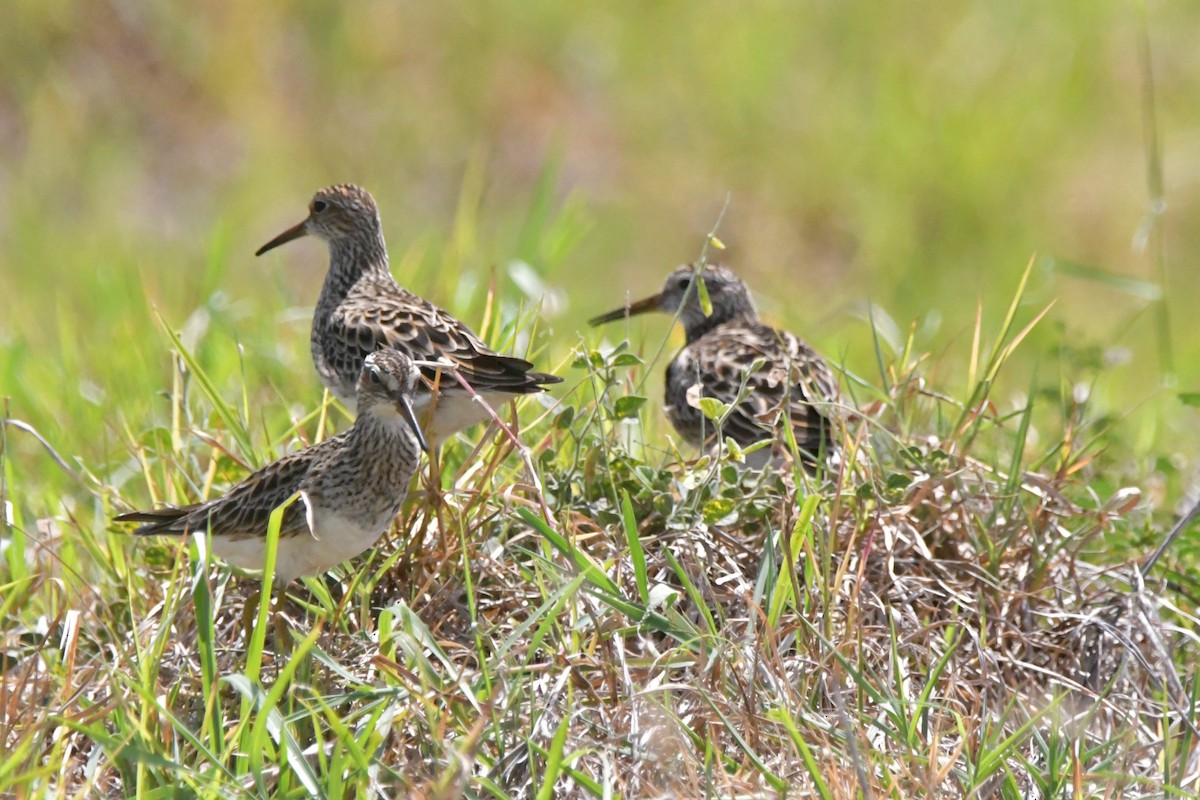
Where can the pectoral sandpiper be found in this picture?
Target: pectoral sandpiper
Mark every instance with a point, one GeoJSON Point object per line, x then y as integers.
{"type": "Point", "coordinates": [362, 307]}
{"type": "Point", "coordinates": [351, 486]}
{"type": "Point", "coordinates": [792, 385]}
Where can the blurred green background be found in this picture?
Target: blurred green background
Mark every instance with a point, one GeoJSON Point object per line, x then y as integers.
{"type": "Point", "coordinates": [914, 156]}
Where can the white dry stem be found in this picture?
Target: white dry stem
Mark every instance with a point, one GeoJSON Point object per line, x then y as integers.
{"type": "Point", "coordinates": [58, 459]}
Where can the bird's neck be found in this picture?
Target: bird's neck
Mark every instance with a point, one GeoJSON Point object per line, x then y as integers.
{"type": "Point", "coordinates": [380, 421]}
{"type": "Point", "coordinates": [352, 259]}
{"type": "Point", "coordinates": [699, 325]}
{"type": "Point", "coordinates": [385, 448]}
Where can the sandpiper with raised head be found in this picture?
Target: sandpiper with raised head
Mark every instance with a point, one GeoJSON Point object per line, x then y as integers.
{"type": "Point", "coordinates": [362, 307]}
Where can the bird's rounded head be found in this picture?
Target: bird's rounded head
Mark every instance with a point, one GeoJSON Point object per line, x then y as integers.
{"type": "Point", "coordinates": [386, 387]}
{"type": "Point", "coordinates": [343, 213]}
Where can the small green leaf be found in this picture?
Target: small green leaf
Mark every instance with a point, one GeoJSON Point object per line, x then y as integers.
{"type": "Point", "coordinates": [591, 358]}
{"type": "Point", "coordinates": [160, 556]}
{"type": "Point", "coordinates": [625, 360]}
{"type": "Point", "coordinates": [705, 300]}
{"type": "Point", "coordinates": [718, 509]}
{"type": "Point", "coordinates": [664, 504]}
{"type": "Point", "coordinates": [1190, 398]}
{"type": "Point", "coordinates": [627, 407]}
{"type": "Point", "coordinates": [564, 419]}
{"type": "Point", "coordinates": [712, 408]}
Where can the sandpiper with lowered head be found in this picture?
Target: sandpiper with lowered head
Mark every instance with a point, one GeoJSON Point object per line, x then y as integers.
{"type": "Point", "coordinates": [362, 307]}
{"type": "Point", "coordinates": [351, 486]}
{"type": "Point", "coordinates": [792, 384]}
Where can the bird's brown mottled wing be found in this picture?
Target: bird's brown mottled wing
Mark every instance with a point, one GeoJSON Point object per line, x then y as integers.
{"type": "Point", "coordinates": [814, 401]}
{"type": "Point", "coordinates": [243, 511]}
{"type": "Point", "coordinates": [791, 378]}
{"type": "Point", "coordinates": [421, 330]}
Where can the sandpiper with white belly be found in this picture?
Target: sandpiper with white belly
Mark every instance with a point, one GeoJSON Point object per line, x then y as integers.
{"type": "Point", "coordinates": [351, 486]}
{"type": "Point", "coordinates": [362, 307]}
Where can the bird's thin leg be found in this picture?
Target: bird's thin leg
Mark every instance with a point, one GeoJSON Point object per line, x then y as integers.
{"type": "Point", "coordinates": [521, 449]}
{"type": "Point", "coordinates": [250, 612]}
{"type": "Point", "coordinates": [280, 642]}
{"type": "Point", "coordinates": [434, 486]}
{"type": "Point", "coordinates": [283, 643]}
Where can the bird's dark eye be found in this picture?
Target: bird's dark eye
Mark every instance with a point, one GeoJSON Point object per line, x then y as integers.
{"type": "Point", "coordinates": [375, 379]}
{"type": "Point", "coordinates": [319, 206]}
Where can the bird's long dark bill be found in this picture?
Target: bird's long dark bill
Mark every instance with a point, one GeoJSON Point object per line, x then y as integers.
{"type": "Point", "coordinates": [631, 310]}
{"type": "Point", "coordinates": [294, 232]}
{"type": "Point", "coordinates": [406, 410]}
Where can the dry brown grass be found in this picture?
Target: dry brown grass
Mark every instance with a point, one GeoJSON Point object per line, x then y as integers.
{"type": "Point", "coordinates": [923, 622]}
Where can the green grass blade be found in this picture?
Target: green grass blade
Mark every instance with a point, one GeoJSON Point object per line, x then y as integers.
{"type": "Point", "coordinates": [233, 423]}
{"type": "Point", "coordinates": [633, 538]}
{"type": "Point", "coordinates": [554, 760]}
